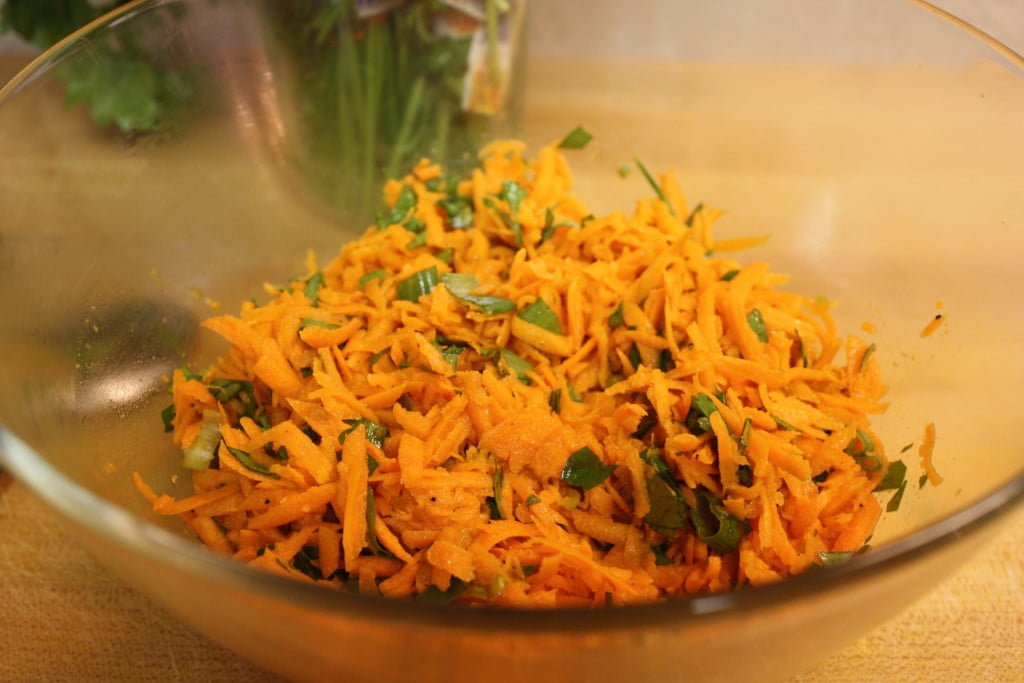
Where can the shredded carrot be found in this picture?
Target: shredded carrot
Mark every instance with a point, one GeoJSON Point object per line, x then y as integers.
{"type": "Point", "coordinates": [933, 325]}
{"type": "Point", "coordinates": [497, 396]}
{"type": "Point", "coordinates": [926, 451]}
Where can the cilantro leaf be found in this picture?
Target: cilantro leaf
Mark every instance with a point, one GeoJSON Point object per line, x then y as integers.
{"type": "Point", "coordinates": [585, 470]}
{"type": "Point", "coordinates": [669, 511]}
{"type": "Point", "coordinates": [716, 526]}
{"type": "Point", "coordinates": [540, 314]}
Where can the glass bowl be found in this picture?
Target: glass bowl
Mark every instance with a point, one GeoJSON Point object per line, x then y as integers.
{"type": "Point", "coordinates": [877, 143]}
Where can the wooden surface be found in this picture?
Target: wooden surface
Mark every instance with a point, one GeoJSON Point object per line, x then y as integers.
{"type": "Point", "coordinates": [67, 619]}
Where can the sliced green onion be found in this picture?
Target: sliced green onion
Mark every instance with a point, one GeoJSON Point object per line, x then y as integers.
{"type": "Point", "coordinates": [417, 285]}
{"type": "Point", "coordinates": [199, 455]}
{"type": "Point", "coordinates": [540, 314]}
{"type": "Point", "coordinates": [451, 354]}
{"type": "Point", "coordinates": [515, 365]}
{"type": "Point", "coordinates": [460, 285]}
{"type": "Point", "coordinates": [555, 401]}
{"type": "Point", "coordinates": [835, 558]}
{"type": "Point", "coordinates": [313, 322]}
{"type": "Point", "coordinates": [459, 210]}
{"type": "Point", "coordinates": [372, 275]}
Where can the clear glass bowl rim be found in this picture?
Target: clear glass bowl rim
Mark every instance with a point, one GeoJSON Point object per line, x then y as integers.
{"type": "Point", "coordinates": [125, 529]}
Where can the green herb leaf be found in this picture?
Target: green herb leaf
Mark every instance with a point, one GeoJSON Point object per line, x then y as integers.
{"type": "Point", "coordinates": [669, 511]}
{"type": "Point", "coordinates": [661, 558]}
{"type": "Point", "coordinates": [729, 275]}
{"type": "Point", "coordinates": [417, 241]}
{"type": "Point", "coordinates": [167, 417]}
{"type": "Point", "coordinates": [532, 499]}
{"type": "Point", "coordinates": [868, 352]}
{"type": "Point", "coordinates": [803, 349]}
{"type": "Point", "coordinates": [862, 449]}
{"type": "Point", "coordinates": [894, 503]}
{"type": "Point", "coordinates": [307, 561]}
{"type": "Point", "coordinates": [555, 401]}
{"type": "Point", "coordinates": [371, 526]}
{"type": "Point", "coordinates": [716, 526]}
{"type": "Point", "coordinates": [497, 481]}
{"type": "Point", "coordinates": [540, 314]}
{"type": "Point", "coordinates": [634, 356]}
{"type": "Point", "coordinates": [278, 454]}
{"type": "Point", "coordinates": [313, 285]}
{"type": "Point", "coordinates": [835, 558]}
{"type": "Point", "coordinates": [239, 390]}
{"type": "Point", "coordinates": [577, 138]}
{"type": "Point", "coordinates": [417, 285]}
{"type": "Point", "coordinates": [654, 185]}
{"type": "Point", "coordinates": [404, 203]}
{"type": "Point", "coordinates": [756, 323]}
{"type": "Point", "coordinates": [616, 319]}
{"type": "Point", "coordinates": [435, 595]}
{"type": "Point", "coordinates": [697, 419]}
{"type": "Point", "coordinates": [189, 374]}
{"type": "Point", "coordinates": [460, 285]}
{"type": "Point", "coordinates": [514, 194]}
{"type": "Point", "coordinates": [376, 433]}
{"type": "Point", "coordinates": [548, 231]}
{"type": "Point", "coordinates": [745, 431]}
{"type": "Point", "coordinates": [249, 463]}
{"type": "Point", "coordinates": [372, 275]}
{"type": "Point", "coordinates": [689, 219]}
{"type": "Point", "coordinates": [895, 476]}
{"type": "Point", "coordinates": [459, 210]}
{"type": "Point", "coordinates": [515, 365]}
{"type": "Point", "coordinates": [451, 354]}
{"type": "Point", "coordinates": [313, 322]}
{"type": "Point", "coordinates": [585, 470]}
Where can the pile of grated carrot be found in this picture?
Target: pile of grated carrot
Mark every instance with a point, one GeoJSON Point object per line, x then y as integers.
{"type": "Point", "coordinates": [494, 396]}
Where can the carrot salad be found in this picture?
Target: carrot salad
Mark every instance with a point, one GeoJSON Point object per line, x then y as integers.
{"type": "Point", "coordinates": [495, 396]}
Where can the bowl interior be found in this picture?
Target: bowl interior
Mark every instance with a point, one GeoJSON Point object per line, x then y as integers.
{"type": "Point", "coordinates": [882, 157]}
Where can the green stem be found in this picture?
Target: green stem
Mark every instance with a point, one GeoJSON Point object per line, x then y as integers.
{"type": "Point", "coordinates": [401, 142]}
{"type": "Point", "coordinates": [493, 59]}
